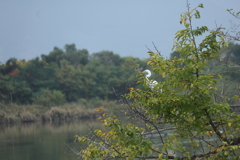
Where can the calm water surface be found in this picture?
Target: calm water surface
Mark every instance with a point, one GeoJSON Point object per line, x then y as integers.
{"type": "Point", "coordinates": [42, 141]}
{"type": "Point", "coordinates": [45, 141]}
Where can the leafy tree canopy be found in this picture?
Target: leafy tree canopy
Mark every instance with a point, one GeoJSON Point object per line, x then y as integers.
{"type": "Point", "coordinates": [182, 117]}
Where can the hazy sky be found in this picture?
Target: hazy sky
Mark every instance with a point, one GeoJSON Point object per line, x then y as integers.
{"type": "Point", "coordinates": [30, 28]}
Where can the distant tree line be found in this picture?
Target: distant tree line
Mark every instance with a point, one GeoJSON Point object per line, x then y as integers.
{"type": "Point", "coordinates": [71, 75]}
{"type": "Point", "coordinates": [67, 75]}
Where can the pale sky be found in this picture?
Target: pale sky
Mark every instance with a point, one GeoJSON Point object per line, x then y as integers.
{"type": "Point", "coordinates": [30, 28]}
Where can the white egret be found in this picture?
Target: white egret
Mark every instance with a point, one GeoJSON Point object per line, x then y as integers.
{"type": "Point", "coordinates": [150, 83]}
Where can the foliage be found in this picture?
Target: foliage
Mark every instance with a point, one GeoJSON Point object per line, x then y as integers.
{"type": "Point", "coordinates": [71, 81]}
{"type": "Point", "coordinates": [9, 67]}
{"type": "Point", "coordinates": [72, 71]}
{"type": "Point", "coordinates": [183, 117]}
{"type": "Point", "coordinates": [234, 52]}
{"type": "Point", "coordinates": [12, 89]}
{"type": "Point", "coordinates": [175, 54]}
{"type": "Point", "coordinates": [48, 98]}
{"type": "Point", "coordinates": [38, 74]}
{"type": "Point", "coordinates": [72, 55]}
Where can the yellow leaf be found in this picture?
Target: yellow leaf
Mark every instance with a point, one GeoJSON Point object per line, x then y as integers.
{"type": "Point", "coordinates": [100, 109]}
{"type": "Point", "coordinates": [229, 124]}
{"type": "Point", "coordinates": [226, 153]}
{"type": "Point", "coordinates": [160, 155]}
{"type": "Point", "coordinates": [99, 133]}
{"type": "Point", "coordinates": [105, 122]}
{"type": "Point", "coordinates": [191, 85]}
{"type": "Point", "coordinates": [149, 62]}
{"type": "Point", "coordinates": [112, 116]}
{"type": "Point", "coordinates": [155, 55]}
{"type": "Point", "coordinates": [164, 74]}
{"type": "Point", "coordinates": [210, 133]}
{"type": "Point", "coordinates": [185, 21]}
{"type": "Point", "coordinates": [131, 89]}
{"type": "Point", "coordinates": [150, 151]}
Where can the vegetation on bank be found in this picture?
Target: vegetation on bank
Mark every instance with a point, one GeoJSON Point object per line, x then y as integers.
{"type": "Point", "coordinates": [13, 113]}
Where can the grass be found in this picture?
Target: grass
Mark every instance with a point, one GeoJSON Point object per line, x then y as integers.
{"type": "Point", "coordinates": [13, 113]}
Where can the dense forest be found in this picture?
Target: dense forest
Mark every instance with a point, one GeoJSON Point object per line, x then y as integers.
{"type": "Point", "coordinates": [67, 75]}
{"type": "Point", "coordinates": [72, 75]}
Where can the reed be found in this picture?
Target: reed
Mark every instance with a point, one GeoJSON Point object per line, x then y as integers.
{"type": "Point", "coordinates": [13, 113]}
{"type": "Point", "coordinates": [26, 116]}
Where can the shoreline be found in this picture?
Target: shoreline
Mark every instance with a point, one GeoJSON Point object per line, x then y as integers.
{"type": "Point", "coordinates": [53, 115]}
{"type": "Point", "coordinates": [11, 114]}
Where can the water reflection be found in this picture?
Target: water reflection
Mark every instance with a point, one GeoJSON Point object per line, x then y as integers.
{"type": "Point", "coordinates": [38, 141]}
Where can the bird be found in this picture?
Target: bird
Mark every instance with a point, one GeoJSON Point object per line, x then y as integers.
{"type": "Point", "coordinates": [150, 83]}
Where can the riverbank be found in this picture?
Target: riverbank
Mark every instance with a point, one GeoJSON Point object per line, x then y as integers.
{"type": "Point", "coordinates": [13, 113]}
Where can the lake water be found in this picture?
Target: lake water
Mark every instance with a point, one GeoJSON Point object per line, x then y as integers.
{"type": "Point", "coordinates": [45, 141]}
{"type": "Point", "coordinates": [42, 141]}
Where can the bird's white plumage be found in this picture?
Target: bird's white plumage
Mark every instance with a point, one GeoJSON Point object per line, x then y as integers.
{"type": "Point", "coordinates": [151, 83]}
{"type": "Point", "coordinates": [148, 73]}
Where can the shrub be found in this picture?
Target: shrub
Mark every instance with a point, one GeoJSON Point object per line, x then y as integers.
{"type": "Point", "coordinates": [49, 98]}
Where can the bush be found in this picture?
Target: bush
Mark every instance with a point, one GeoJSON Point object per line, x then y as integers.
{"type": "Point", "coordinates": [49, 98]}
